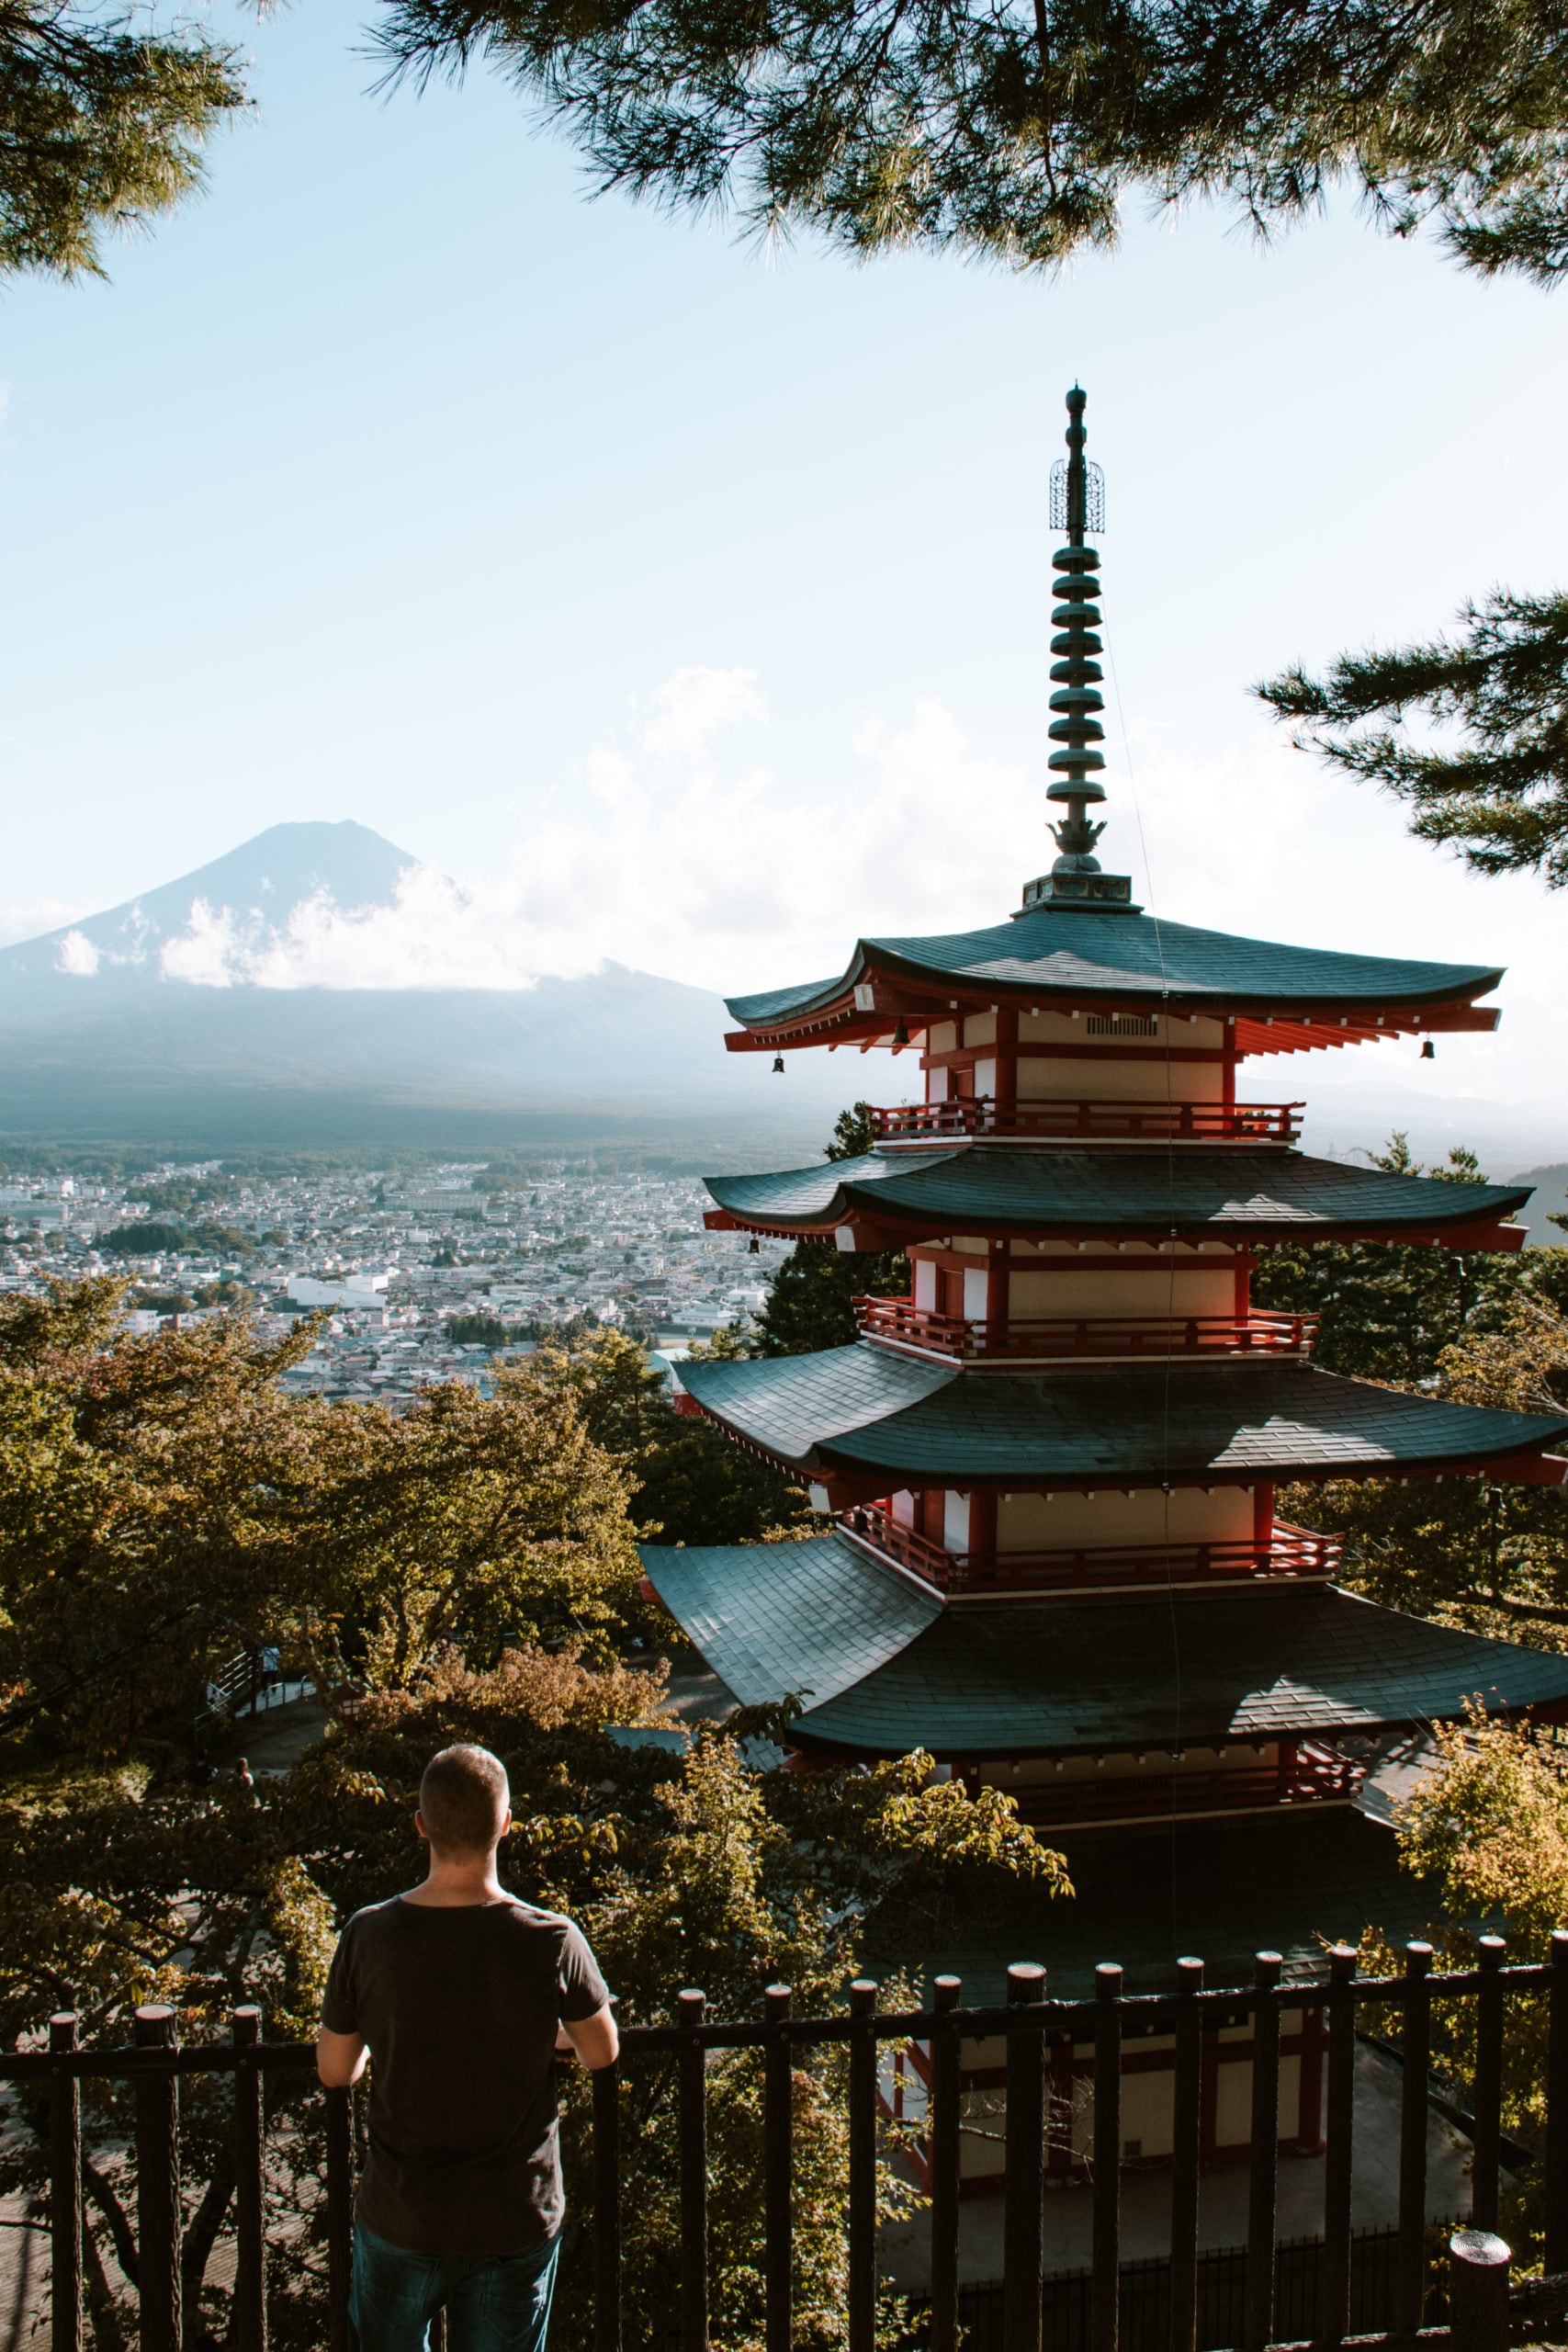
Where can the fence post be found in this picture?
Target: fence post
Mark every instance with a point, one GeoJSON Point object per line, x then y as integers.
{"type": "Point", "coordinates": [158, 2184]}
{"type": "Point", "coordinates": [1184, 2153]}
{"type": "Point", "coordinates": [1478, 2292]}
{"type": "Point", "coordinates": [607, 2209]}
{"type": "Point", "coordinates": [340, 2216]}
{"type": "Point", "coordinates": [1262, 2192]}
{"type": "Point", "coordinates": [694, 2127]}
{"type": "Point", "coordinates": [1556, 2198]}
{"type": "Point", "coordinates": [778, 2184]}
{"type": "Point", "coordinates": [1107, 2222]}
{"type": "Point", "coordinates": [64, 2190]}
{"type": "Point", "coordinates": [1337, 2163]}
{"type": "Point", "coordinates": [249, 2156]}
{"type": "Point", "coordinates": [863, 2167]}
{"type": "Point", "coordinates": [944, 2147]}
{"type": "Point", "coordinates": [1488, 2082]}
{"type": "Point", "coordinates": [1415, 2058]}
{"type": "Point", "coordinates": [1023, 2217]}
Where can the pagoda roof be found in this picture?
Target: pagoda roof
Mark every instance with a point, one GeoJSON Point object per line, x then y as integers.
{"type": "Point", "coordinates": [885, 1668]}
{"type": "Point", "coordinates": [1070, 955]}
{"type": "Point", "coordinates": [902, 1420]}
{"type": "Point", "coordinates": [1229, 1193]}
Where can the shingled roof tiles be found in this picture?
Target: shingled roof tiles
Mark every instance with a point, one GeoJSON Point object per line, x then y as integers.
{"type": "Point", "coordinates": [889, 1668]}
{"type": "Point", "coordinates": [866, 1408]}
{"type": "Point", "coordinates": [821, 1613]}
{"type": "Point", "coordinates": [1229, 1193]}
{"type": "Point", "coordinates": [1057, 950]}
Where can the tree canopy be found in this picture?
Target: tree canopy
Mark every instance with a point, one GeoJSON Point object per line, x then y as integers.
{"type": "Point", "coordinates": [1495, 785]}
{"type": "Point", "coordinates": [1018, 131]}
{"type": "Point", "coordinates": [102, 125]}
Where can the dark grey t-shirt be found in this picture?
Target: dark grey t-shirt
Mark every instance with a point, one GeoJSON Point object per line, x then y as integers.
{"type": "Point", "coordinates": [459, 2008]}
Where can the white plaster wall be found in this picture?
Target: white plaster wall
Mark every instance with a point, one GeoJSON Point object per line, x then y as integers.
{"type": "Point", "coordinates": [1119, 1079]}
{"type": "Point", "coordinates": [955, 1522]}
{"type": "Point", "coordinates": [1066, 1521]}
{"type": "Point", "coordinates": [1127, 1288]}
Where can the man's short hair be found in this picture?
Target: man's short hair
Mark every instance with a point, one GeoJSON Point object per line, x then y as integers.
{"type": "Point", "coordinates": [463, 1798]}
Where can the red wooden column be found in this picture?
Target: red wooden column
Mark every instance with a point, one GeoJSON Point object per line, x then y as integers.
{"type": "Point", "coordinates": [981, 1526]}
{"type": "Point", "coordinates": [1007, 1061]}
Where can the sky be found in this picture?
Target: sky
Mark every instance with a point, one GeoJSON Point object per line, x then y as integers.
{"type": "Point", "coordinates": [687, 602]}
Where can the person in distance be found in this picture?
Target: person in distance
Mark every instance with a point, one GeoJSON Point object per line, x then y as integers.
{"type": "Point", "coordinates": [464, 1996]}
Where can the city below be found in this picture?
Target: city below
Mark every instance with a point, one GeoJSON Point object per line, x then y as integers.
{"type": "Point", "coordinates": [420, 1278]}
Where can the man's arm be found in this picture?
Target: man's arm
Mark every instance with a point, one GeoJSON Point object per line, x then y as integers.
{"type": "Point", "coordinates": [340, 2058]}
{"type": "Point", "coordinates": [595, 2039]}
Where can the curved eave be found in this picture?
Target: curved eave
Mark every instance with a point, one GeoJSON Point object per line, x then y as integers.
{"type": "Point", "coordinates": [1107, 1676]}
{"type": "Point", "coordinates": [868, 1421]}
{"type": "Point", "coordinates": [1283, 999]}
{"type": "Point", "coordinates": [1056, 1192]}
{"type": "Point", "coordinates": [882, 1666]}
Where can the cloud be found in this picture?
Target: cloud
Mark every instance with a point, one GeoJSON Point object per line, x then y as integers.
{"type": "Point", "coordinates": [77, 955]}
{"type": "Point", "coordinates": [697, 704]}
{"type": "Point", "coordinates": [680, 855]}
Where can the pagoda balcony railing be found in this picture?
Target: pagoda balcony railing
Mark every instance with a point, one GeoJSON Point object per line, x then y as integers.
{"type": "Point", "coordinates": [1065, 1118]}
{"type": "Point", "coordinates": [1307, 1772]}
{"type": "Point", "coordinates": [1291, 1553]}
{"type": "Point", "coordinates": [901, 1323]}
{"type": "Point", "coordinates": [203, 2203]}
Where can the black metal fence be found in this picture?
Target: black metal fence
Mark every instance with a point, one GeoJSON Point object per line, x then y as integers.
{"type": "Point", "coordinates": [1260, 2306]}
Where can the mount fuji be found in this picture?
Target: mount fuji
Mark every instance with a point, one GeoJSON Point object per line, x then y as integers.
{"type": "Point", "coordinates": [318, 988]}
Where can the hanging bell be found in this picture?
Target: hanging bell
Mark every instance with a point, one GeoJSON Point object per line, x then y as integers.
{"type": "Point", "coordinates": [753, 1248]}
{"type": "Point", "coordinates": [1428, 1051]}
{"type": "Point", "coordinates": [901, 1035]}
{"type": "Point", "coordinates": [778, 1065]}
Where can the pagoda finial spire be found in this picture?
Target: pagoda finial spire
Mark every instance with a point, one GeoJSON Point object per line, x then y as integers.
{"type": "Point", "coordinates": [1078, 507]}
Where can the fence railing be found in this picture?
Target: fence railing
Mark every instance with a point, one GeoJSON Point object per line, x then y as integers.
{"type": "Point", "coordinates": [1066, 1118]}
{"type": "Point", "coordinates": [1022, 2026]}
{"type": "Point", "coordinates": [1290, 1551]}
{"type": "Point", "coordinates": [898, 1322]}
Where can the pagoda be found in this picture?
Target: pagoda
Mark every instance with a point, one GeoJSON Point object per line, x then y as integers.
{"type": "Point", "coordinates": [1056, 1563]}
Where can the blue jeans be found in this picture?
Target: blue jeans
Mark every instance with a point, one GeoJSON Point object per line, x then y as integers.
{"type": "Point", "coordinates": [494, 2302]}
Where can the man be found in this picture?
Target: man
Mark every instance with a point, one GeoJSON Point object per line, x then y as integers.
{"type": "Point", "coordinates": [463, 1996]}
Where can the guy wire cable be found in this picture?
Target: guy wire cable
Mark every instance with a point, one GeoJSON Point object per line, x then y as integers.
{"type": "Point", "coordinates": [1170, 1286]}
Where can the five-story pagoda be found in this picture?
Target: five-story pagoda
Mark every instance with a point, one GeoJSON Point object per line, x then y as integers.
{"type": "Point", "coordinates": [1057, 1564]}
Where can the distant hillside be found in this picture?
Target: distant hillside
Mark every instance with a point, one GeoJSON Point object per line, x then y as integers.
{"type": "Point", "coordinates": [103, 1034]}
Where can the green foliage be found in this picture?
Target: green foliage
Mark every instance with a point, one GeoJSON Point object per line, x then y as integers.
{"type": "Point", "coordinates": [1387, 1313]}
{"type": "Point", "coordinates": [693, 1486]}
{"type": "Point", "coordinates": [1021, 134]}
{"type": "Point", "coordinates": [162, 1501]}
{"type": "Point", "coordinates": [148, 1239]}
{"type": "Point", "coordinates": [102, 123]}
{"type": "Point", "coordinates": [811, 1302]}
{"type": "Point", "coordinates": [1492, 1558]}
{"type": "Point", "coordinates": [1499, 792]}
{"type": "Point", "coordinates": [1490, 1825]}
{"type": "Point", "coordinates": [481, 1330]}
